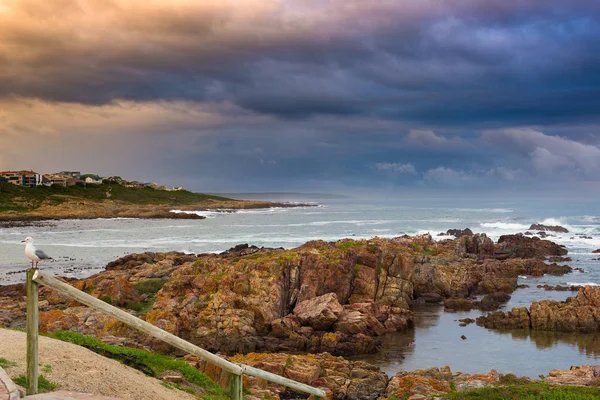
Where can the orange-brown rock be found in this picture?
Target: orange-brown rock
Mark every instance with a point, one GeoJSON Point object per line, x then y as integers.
{"type": "Point", "coordinates": [576, 314]}
{"type": "Point", "coordinates": [435, 382]}
{"type": "Point", "coordinates": [319, 312]}
{"type": "Point", "coordinates": [343, 379]}
{"type": "Point", "coordinates": [335, 297]}
{"type": "Point", "coordinates": [587, 375]}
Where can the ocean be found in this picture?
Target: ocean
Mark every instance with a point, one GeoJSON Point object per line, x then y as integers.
{"type": "Point", "coordinates": [83, 247]}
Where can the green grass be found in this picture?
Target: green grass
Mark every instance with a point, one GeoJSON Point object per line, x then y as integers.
{"type": "Point", "coordinates": [22, 199]}
{"type": "Point", "coordinates": [4, 363]}
{"type": "Point", "coordinates": [141, 307]}
{"type": "Point", "coordinates": [532, 391]}
{"type": "Point", "coordinates": [47, 368]}
{"type": "Point", "coordinates": [150, 287]}
{"type": "Point", "coordinates": [348, 244]}
{"type": "Point", "coordinates": [44, 385]}
{"type": "Point", "coordinates": [152, 364]}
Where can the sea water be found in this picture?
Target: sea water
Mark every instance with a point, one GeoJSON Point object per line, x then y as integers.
{"type": "Point", "coordinates": [83, 247]}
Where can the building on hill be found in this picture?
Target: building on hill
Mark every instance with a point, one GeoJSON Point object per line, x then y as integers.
{"type": "Point", "coordinates": [93, 179]}
{"type": "Point", "coordinates": [72, 174]}
{"type": "Point", "coordinates": [22, 178]}
{"type": "Point", "coordinates": [58, 179]}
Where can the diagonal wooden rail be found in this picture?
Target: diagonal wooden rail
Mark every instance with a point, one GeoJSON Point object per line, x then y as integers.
{"type": "Point", "coordinates": [236, 370]}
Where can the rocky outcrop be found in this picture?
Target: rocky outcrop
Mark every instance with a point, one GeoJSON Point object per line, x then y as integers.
{"type": "Point", "coordinates": [457, 232]}
{"type": "Point", "coordinates": [576, 314]}
{"type": "Point", "coordinates": [549, 228]}
{"type": "Point", "coordinates": [320, 312]}
{"type": "Point", "coordinates": [435, 382]}
{"type": "Point", "coordinates": [587, 375]}
{"type": "Point", "coordinates": [560, 288]}
{"type": "Point", "coordinates": [520, 246]}
{"type": "Point", "coordinates": [461, 278]}
{"type": "Point", "coordinates": [341, 378]}
{"type": "Point", "coordinates": [335, 297]}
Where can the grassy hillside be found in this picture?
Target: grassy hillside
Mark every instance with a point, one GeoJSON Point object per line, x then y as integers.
{"type": "Point", "coordinates": [22, 199]}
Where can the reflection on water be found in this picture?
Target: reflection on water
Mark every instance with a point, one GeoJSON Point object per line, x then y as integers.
{"type": "Point", "coordinates": [436, 341]}
{"type": "Point", "coordinates": [586, 344]}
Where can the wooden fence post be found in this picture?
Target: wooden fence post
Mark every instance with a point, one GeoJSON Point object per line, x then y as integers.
{"type": "Point", "coordinates": [32, 333]}
{"type": "Point", "coordinates": [236, 387]}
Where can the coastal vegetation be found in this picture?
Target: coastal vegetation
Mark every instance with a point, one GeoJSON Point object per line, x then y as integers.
{"type": "Point", "coordinates": [23, 199]}
{"type": "Point", "coordinates": [111, 200]}
{"type": "Point", "coordinates": [529, 391]}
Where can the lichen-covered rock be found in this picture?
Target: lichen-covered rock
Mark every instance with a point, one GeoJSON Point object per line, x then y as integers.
{"type": "Point", "coordinates": [586, 375]}
{"type": "Point", "coordinates": [343, 379]}
{"type": "Point", "coordinates": [336, 297]}
{"type": "Point", "coordinates": [435, 382]}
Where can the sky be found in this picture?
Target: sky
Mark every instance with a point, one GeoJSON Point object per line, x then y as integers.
{"type": "Point", "coordinates": [337, 96]}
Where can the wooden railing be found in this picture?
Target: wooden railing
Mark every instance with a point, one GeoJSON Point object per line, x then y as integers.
{"type": "Point", "coordinates": [236, 370]}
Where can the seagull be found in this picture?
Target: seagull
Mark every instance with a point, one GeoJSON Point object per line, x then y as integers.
{"type": "Point", "coordinates": [34, 254]}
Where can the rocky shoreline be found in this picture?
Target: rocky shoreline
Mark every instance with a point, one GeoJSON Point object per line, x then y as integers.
{"type": "Point", "coordinates": [356, 380]}
{"type": "Point", "coordinates": [269, 307]}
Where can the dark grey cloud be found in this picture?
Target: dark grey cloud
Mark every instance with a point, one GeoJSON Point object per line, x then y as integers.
{"type": "Point", "coordinates": [442, 63]}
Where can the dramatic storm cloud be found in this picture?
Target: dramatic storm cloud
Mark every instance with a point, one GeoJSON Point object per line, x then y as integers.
{"type": "Point", "coordinates": [302, 95]}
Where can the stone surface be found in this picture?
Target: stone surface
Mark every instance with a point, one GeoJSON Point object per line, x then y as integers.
{"type": "Point", "coordinates": [344, 379]}
{"type": "Point", "coordinates": [336, 297]}
{"type": "Point", "coordinates": [320, 312]}
{"type": "Point", "coordinates": [587, 375]}
{"type": "Point", "coordinates": [549, 228]}
{"type": "Point", "coordinates": [576, 314]}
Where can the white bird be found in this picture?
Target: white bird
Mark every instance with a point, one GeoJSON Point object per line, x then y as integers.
{"type": "Point", "coordinates": [33, 253]}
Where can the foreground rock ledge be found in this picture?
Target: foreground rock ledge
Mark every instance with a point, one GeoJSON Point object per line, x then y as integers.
{"type": "Point", "coordinates": [356, 380]}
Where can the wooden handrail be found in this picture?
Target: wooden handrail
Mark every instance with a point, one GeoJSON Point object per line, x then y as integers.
{"type": "Point", "coordinates": [236, 370]}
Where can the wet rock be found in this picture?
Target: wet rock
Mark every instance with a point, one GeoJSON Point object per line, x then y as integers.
{"type": "Point", "coordinates": [555, 259]}
{"type": "Point", "coordinates": [463, 337]}
{"type": "Point", "coordinates": [517, 318]}
{"type": "Point", "coordinates": [434, 298]}
{"type": "Point", "coordinates": [459, 232]}
{"type": "Point", "coordinates": [576, 314]}
{"type": "Point", "coordinates": [596, 251]}
{"type": "Point", "coordinates": [550, 228]}
{"type": "Point", "coordinates": [559, 287]}
{"type": "Point", "coordinates": [466, 321]}
{"type": "Point", "coordinates": [492, 301]}
{"type": "Point", "coordinates": [522, 286]}
{"type": "Point", "coordinates": [457, 304]}
{"type": "Point", "coordinates": [519, 246]}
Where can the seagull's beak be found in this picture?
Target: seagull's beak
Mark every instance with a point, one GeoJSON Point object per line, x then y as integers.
{"type": "Point", "coordinates": [22, 241]}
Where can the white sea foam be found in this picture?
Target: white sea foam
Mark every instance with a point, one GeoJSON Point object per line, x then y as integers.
{"type": "Point", "coordinates": [512, 226]}
{"type": "Point", "coordinates": [582, 284]}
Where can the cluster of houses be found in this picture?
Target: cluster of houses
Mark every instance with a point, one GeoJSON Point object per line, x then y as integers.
{"type": "Point", "coordinates": [70, 178]}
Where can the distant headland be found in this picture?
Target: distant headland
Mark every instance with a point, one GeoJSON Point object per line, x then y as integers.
{"type": "Point", "coordinates": [30, 196]}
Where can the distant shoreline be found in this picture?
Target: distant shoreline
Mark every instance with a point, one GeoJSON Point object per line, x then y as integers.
{"type": "Point", "coordinates": [20, 204]}
{"type": "Point", "coordinates": [110, 210]}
